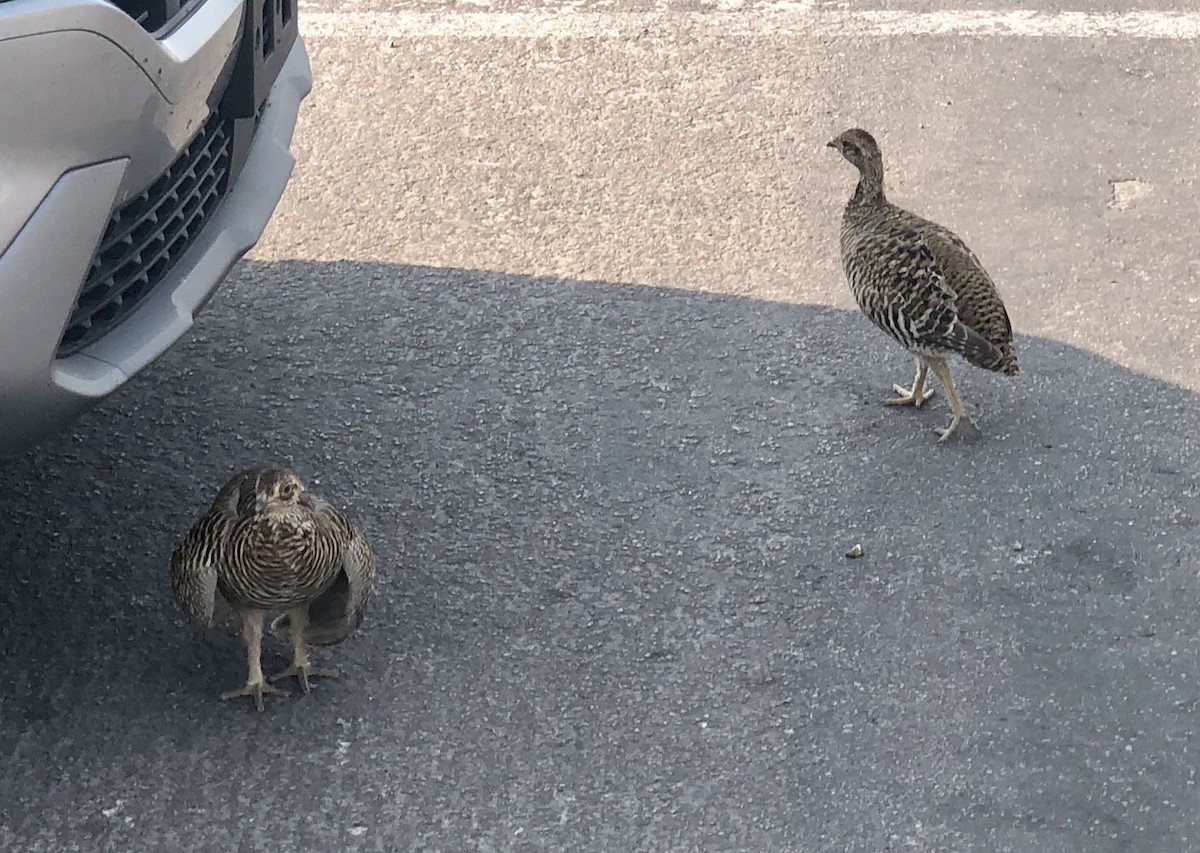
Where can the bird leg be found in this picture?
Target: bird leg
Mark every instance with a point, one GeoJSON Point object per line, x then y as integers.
{"type": "Point", "coordinates": [301, 666]}
{"type": "Point", "coordinates": [255, 685]}
{"type": "Point", "coordinates": [917, 395]}
{"type": "Point", "coordinates": [958, 409]}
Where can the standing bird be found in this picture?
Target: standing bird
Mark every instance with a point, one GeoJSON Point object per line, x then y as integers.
{"type": "Point", "coordinates": [919, 283]}
{"type": "Point", "coordinates": [267, 543]}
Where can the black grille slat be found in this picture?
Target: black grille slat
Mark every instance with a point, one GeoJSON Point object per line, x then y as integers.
{"type": "Point", "coordinates": [148, 234]}
{"type": "Point", "coordinates": [153, 15]}
{"type": "Point", "coordinates": [151, 218]}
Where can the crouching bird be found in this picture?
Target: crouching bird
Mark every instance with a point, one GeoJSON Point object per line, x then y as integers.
{"type": "Point", "coordinates": [919, 283]}
{"type": "Point", "coordinates": [269, 544]}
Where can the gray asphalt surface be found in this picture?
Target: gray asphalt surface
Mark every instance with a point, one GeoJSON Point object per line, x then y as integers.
{"type": "Point", "coordinates": [590, 385]}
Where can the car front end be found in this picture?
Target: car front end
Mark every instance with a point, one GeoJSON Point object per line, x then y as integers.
{"type": "Point", "coordinates": [144, 145]}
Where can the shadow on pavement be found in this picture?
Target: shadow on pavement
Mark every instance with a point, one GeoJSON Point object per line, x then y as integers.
{"type": "Point", "coordinates": [616, 613]}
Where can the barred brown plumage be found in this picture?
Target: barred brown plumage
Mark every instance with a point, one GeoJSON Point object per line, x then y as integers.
{"type": "Point", "coordinates": [919, 283]}
{"type": "Point", "coordinates": [267, 543]}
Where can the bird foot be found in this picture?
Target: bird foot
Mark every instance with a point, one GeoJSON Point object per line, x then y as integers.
{"type": "Point", "coordinates": [907, 397]}
{"type": "Point", "coordinates": [955, 422]}
{"type": "Point", "coordinates": [257, 689]}
{"type": "Point", "coordinates": [302, 673]}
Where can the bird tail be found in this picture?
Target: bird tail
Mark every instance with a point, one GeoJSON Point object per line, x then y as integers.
{"type": "Point", "coordinates": [981, 352]}
{"type": "Point", "coordinates": [331, 618]}
{"type": "Point", "coordinates": [1008, 361]}
{"type": "Point", "coordinates": [328, 633]}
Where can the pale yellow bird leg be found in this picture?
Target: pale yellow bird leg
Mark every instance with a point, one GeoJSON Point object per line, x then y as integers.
{"type": "Point", "coordinates": [255, 685]}
{"type": "Point", "coordinates": [917, 395]}
{"type": "Point", "coordinates": [301, 666]}
{"type": "Point", "coordinates": [958, 409]}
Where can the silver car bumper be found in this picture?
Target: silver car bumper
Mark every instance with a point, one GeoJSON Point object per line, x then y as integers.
{"type": "Point", "coordinates": [108, 135]}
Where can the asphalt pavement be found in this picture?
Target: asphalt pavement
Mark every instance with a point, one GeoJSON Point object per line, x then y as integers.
{"type": "Point", "coordinates": [560, 322]}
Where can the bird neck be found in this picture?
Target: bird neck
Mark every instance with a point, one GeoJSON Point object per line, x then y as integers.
{"type": "Point", "coordinates": [870, 184]}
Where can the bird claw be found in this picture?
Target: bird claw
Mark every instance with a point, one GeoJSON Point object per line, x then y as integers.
{"type": "Point", "coordinates": [945, 432]}
{"type": "Point", "coordinates": [256, 689]}
{"type": "Point", "coordinates": [907, 397]}
{"type": "Point", "coordinates": [302, 673]}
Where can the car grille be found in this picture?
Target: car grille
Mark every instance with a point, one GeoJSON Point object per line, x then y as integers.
{"type": "Point", "coordinates": [153, 15]}
{"type": "Point", "coordinates": [148, 235]}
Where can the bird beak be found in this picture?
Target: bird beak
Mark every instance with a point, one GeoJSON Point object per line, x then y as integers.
{"type": "Point", "coordinates": [831, 144]}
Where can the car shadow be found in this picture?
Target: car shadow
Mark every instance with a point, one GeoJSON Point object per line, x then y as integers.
{"type": "Point", "coordinates": [612, 521]}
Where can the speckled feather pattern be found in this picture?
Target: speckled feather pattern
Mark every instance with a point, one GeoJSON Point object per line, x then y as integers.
{"type": "Point", "coordinates": [310, 555]}
{"type": "Point", "coordinates": [917, 280]}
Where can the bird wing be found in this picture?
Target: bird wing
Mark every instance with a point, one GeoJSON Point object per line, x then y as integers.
{"type": "Point", "coordinates": [977, 300]}
{"type": "Point", "coordinates": [194, 570]}
{"type": "Point", "coordinates": [917, 304]}
{"type": "Point", "coordinates": [194, 560]}
{"type": "Point", "coordinates": [338, 611]}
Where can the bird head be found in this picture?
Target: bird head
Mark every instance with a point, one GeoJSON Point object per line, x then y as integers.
{"type": "Point", "coordinates": [279, 491]}
{"type": "Point", "coordinates": [857, 146]}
